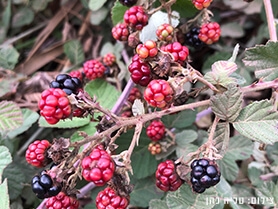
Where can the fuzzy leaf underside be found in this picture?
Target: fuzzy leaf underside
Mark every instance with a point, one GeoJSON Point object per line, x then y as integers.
{"type": "Point", "coordinates": [264, 59]}
{"type": "Point", "coordinates": [258, 122]}
{"type": "Point", "coordinates": [227, 105]}
{"type": "Point", "coordinates": [10, 116]}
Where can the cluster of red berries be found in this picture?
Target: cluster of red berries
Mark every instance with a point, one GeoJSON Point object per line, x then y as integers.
{"type": "Point", "coordinates": [155, 131]}
{"type": "Point", "coordinates": [204, 174]}
{"type": "Point", "coordinates": [62, 201]}
{"type": "Point", "coordinates": [201, 4]}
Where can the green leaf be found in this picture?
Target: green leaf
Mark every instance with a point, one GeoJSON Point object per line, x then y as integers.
{"type": "Point", "coordinates": [144, 191]}
{"type": "Point", "coordinates": [240, 148]}
{"type": "Point", "coordinates": [185, 8]}
{"type": "Point", "coordinates": [8, 57]}
{"type": "Point", "coordinates": [24, 16]}
{"type": "Point", "coordinates": [75, 122]}
{"type": "Point", "coordinates": [10, 116]}
{"type": "Point", "coordinates": [96, 5]}
{"type": "Point", "coordinates": [74, 51]}
{"type": "Point", "coordinates": [158, 204]}
{"type": "Point", "coordinates": [227, 105]}
{"type": "Point", "coordinates": [16, 179]}
{"type": "Point", "coordinates": [6, 16]}
{"type": "Point", "coordinates": [258, 122]}
{"type": "Point", "coordinates": [5, 159]}
{"type": "Point", "coordinates": [29, 118]}
{"type": "Point", "coordinates": [180, 120]}
{"type": "Point", "coordinates": [117, 12]}
{"type": "Point", "coordinates": [4, 200]}
{"type": "Point", "coordinates": [39, 5]}
{"type": "Point", "coordinates": [263, 58]}
{"type": "Point", "coordinates": [185, 137]}
{"type": "Point", "coordinates": [222, 137]}
{"type": "Point", "coordinates": [106, 94]}
{"type": "Point", "coordinates": [267, 192]}
{"type": "Point", "coordinates": [98, 16]}
{"type": "Point", "coordinates": [90, 129]}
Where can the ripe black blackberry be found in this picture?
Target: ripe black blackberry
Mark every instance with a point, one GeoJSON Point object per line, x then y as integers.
{"type": "Point", "coordinates": [67, 83]}
{"type": "Point", "coordinates": [192, 39]}
{"type": "Point", "coordinates": [204, 174]}
{"type": "Point", "coordinates": [128, 3]}
{"type": "Point", "coordinates": [43, 186]}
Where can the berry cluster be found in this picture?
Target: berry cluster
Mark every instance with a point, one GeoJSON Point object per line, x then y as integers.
{"type": "Point", "coordinates": [148, 49]}
{"type": "Point", "coordinates": [109, 59]}
{"type": "Point", "coordinates": [179, 52]}
{"type": "Point", "coordinates": [67, 83]}
{"type": "Point", "coordinates": [120, 32]}
{"type": "Point", "coordinates": [62, 201]}
{"type": "Point", "coordinates": [98, 167]}
{"type": "Point", "coordinates": [108, 198]}
{"type": "Point", "coordinates": [156, 130]}
{"type": "Point", "coordinates": [165, 32]}
{"type": "Point", "coordinates": [36, 154]}
{"type": "Point", "coordinates": [154, 148]}
{"type": "Point", "coordinates": [167, 178]}
{"type": "Point", "coordinates": [201, 4]}
{"type": "Point", "coordinates": [54, 105]}
{"type": "Point", "coordinates": [43, 186]}
{"type": "Point", "coordinates": [204, 174]}
{"type": "Point", "coordinates": [159, 93]}
{"type": "Point", "coordinates": [136, 17]}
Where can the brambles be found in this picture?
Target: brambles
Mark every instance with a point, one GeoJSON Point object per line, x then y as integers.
{"type": "Point", "coordinates": [67, 83]}
{"type": "Point", "coordinates": [62, 201]}
{"type": "Point", "coordinates": [156, 130]}
{"type": "Point", "coordinates": [159, 93]}
{"type": "Point", "coordinates": [108, 198]}
{"type": "Point", "coordinates": [204, 174]}
{"type": "Point", "coordinates": [201, 4]}
{"type": "Point", "coordinates": [210, 32]}
{"type": "Point", "coordinates": [166, 177]}
{"type": "Point", "coordinates": [93, 69]}
{"type": "Point", "coordinates": [98, 167]}
{"type": "Point", "coordinates": [54, 105]}
{"type": "Point", "coordinates": [43, 186]}
{"type": "Point", "coordinates": [36, 154]}
{"type": "Point", "coordinates": [140, 71]}
{"type": "Point", "coordinates": [120, 32]}
{"type": "Point", "coordinates": [136, 17]}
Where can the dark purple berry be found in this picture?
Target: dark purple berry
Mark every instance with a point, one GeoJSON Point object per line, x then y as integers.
{"type": "Point", "coordinates": [128, 3]}
{"type": "Point", "coordinates": [192, 39]}
{"type": "Point", "coordinates": [62, 77]}
{"type": "Point", "coordinates": [211, 171]}
{"type": "Point", "coordinates": [67, 83]}
{"type": "Point", "coordinates": [53, 191]}
{"type": "Point", "coordinates": [46, 181]}
{"type": "Point", "coordinates": [38, 189]}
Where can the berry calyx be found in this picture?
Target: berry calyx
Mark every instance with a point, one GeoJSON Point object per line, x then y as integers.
{"type": "Point", "coordinates": [156, 130]}
{"type": "Point", "coordinates": [192, 38]}
{"type": "Point", "coordinates": [204, 174]}
{"type": "Point", "coordinates": [154, 148]}
{"type": "Point", "coordinates": [98, 167]}
{"type": "Point", "coordinates": [109, 59]}
{"type": "Point", "coordinates": [93, 69]}
{"type": "Point", "coordinates": [167, 178]}
{"type": "Point", "coordinates": [62, 201]}
{"type": "Point", "coordinates": [54, 105]}
{"type": "Point", "coordinates": [140, 71]}
{"type": "Point", "coordinates": [44, 187]}
{"type": "Point", "coordinates": [136, 17]}
{"type": "Point", "coordinates": [179, 52]}
{"type": "Point", "coordinates": [201, 4]}
{"type": "Point", "coordinates": [67, 83]}
{"type": "Point", "coordinates": [120, 32]}
{"type": "Point", "coordinates": [148, 49]}
{"type": "Point", "coordinates": [210, 32]}
{"type": "Point", "coordinates": [36, 154]}
{"type": "Point", "coordinates": [108, 198]}
{"type": "Point", "coordinates": [165, 32]}
{"type": "Point", "coordinates": [159, 93]}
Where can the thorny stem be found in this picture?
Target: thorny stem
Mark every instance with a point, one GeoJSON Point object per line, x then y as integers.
{"type": "Point", "coordinates": [210, 149]}
{"type": "Point", "coordinates": [270, 20]}
{"type": "Point", "coordinates": [260, 86]}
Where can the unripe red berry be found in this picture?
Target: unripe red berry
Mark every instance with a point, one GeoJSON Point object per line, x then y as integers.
{"type": "Point", "coordinates": [154, 148]}
{"type": "Point", "coordinates": [36, 154]}
{"type": "Point", "coordinates": [120, 32]}
{"type": "Point", "coordinates": [159, 93]}
{"type": "Point", "coordinates": [62, 201]}
{"type": "Point", "coordinates": [98, 167]}
{"type": "Point", "coordinates": [148, 49]}
{"type": "Point", "coordinates": [93, 69]}
{"type": "Point", "coordinates": [210, 32]}
{"type": "Point", "coordinates": [136, 17]}
{"type": "Point", "coordinates": [201, 4]}
{"type": "Point", "coordinates": [108, 198]}
{"type": "Point", "coordinates": [165, 32]}
{"type": "Point", "coordinates": [134, 94]}
{"type": "Point", "coordinates": [109, 59]}
{"type": "Point", "coordinates": [179, 52]}
{"type": "Point", "coordinates": [156, 130]}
